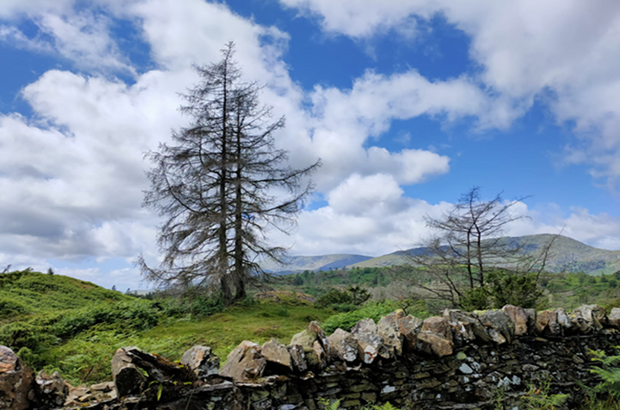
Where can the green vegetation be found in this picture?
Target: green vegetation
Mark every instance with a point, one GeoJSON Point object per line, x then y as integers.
{"type": "Point", "coordinates": [59, 323]}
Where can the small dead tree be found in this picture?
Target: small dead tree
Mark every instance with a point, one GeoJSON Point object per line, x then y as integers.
{"type": "Point", "coordinates": [469, 252]}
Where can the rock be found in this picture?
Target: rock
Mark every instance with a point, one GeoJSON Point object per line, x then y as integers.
{"type": "Point", "coordinates": [314, 327]}
{"type": "Point", "coordinates": [276, 352]}
{"type": "Point", "coordinates": [368, 341]}
{"type": "Point", "coordinates": [388, 329]}
{"type": "Point", "coordinates": [614, 317]}
{"type": "Point", "coordinates": [128, 378]}
{"type": "Point", "coordinates": [103, 387]}
{"type": "Point", "coordinates": [594, 317]}
{"type": "Point", "coordinates": [433, 344]}
{"type": "Point", "coordinates": [298, 359]}
{"type": "Point", "coordinates": [499, 326]}
{"type": "Point", "coordinates": [16, 381]}
{"type": "Point", "coordinates": [438, 326]}
{"type": "Point", "coordinates": [130, 363]}
{"type": "Point", "coordinates": [343, 346]}
{"type": "Point", "coordinates": [466, 326]}
{"type": "Point", "coordinates": [409, 327]}
{"type": "Point", "coordinates": [245, 362]}
{"type": "Point", "coordinates": [519, 318]}
{"type": "Point", "coordinates": [321, 355]}
{"type": "Point", "coordinates": [52, 390]}
{"type": "Point", "coordinates": [202, 361]}
{"type": "Point", "coordinates": [305, 339]}
{"type": "Point", "coordinates": [553, 322]}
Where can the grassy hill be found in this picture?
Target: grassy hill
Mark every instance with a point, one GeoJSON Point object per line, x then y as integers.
{"type": "Point", "coordinates": [59, 323]}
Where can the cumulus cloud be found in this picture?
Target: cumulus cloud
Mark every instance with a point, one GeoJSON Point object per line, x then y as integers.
{"type": "Point", "coordinates": [563, 53]}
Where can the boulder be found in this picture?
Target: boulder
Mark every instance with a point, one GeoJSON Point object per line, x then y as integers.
{"type": "Point", "coordinates": [275, 352]}
{"type": "Point", "coordinates": [433, 344]}
{"type": "Point", "coordinates": [614, 317]}
{"type": "Point", "coordinates": [389, 331]}
{"type": "Point", "coordinates": [368, 341]}
{"type": "Point", "coordinates": [499, 325]}
{"type": "Point", "coordinates": [52, 390]}
{"type": "Point", "coordinates": [343, 346]}
{"type": "Point", "coordinates": [16, 381]}
{"type": "Point", "coordinates": [409, 327]}
{"type": "Point", "coordinates": [519, 318]}
{"type": "Point", "coordinates": [202, 361]}
{"type": "Point", "coordinates": [245, 363]}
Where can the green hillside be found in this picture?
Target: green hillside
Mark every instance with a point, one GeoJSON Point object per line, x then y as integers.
{"type": "Point", "coordinates": [26, 294]}
{"type": "Point", "coordinates": [55, 322]}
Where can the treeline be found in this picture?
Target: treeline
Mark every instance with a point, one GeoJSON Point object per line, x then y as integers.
{"type": "Point", "coordinates": [317, 283]}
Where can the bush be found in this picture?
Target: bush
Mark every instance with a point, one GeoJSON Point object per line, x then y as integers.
{"type": "Point", "coordinates": [373, 310]}
{"type": "Point", "coordinates": [344, 301]}
{"type": "Point", "coordinates": [10, 307]}
{"type": "Point", "coordinates": [135, 315]}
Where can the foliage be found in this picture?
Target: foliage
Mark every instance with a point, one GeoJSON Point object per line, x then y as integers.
{"type": "Point", "coordinates": [539, 398]}
{"type": "Point", "coordinates": [610, 374]}
{"type": "Point", "coordinates": [216, 187]}
{"type": "Point", "coordinates": [373, 310]}
{"type": "Point", "coordinates": [344, 300]}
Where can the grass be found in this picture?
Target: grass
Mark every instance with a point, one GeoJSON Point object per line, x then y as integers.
{"type": "Point", "coordinates": [59, 323]}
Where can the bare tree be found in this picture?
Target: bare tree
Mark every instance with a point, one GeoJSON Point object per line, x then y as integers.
{"type": "Point", "coordinates": [216, 186]}
{"type": "Point", "coordinates": [469, 244]}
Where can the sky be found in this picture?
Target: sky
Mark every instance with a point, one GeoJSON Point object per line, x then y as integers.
{"type": "Point", "coordinates": [408, 104]}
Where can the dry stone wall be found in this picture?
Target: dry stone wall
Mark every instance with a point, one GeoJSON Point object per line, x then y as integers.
{"type": "Point", "coordinates": [459, 360]}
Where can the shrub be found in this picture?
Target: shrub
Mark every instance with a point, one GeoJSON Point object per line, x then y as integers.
{"type": "Point", "coordinates": [373, 310]}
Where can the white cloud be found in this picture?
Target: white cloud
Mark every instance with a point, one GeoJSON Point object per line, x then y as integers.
{"type": "Point", "coordinates": [563, 52]}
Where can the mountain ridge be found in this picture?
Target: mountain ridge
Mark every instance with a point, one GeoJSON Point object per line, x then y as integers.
{"type": "Point", "coordinates": [567, 255]}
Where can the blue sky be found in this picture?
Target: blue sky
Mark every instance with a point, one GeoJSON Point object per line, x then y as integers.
{"type": "Point", "coordinates": [408, 104]}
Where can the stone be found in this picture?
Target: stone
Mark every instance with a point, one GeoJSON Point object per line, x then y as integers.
{"type": "Point", "coordinates": [368, 341]}
{"type": "Point", "coordinates": [553, 322]}
{"type": "Point", "coordinates": [16, 381]}
{"type": "Point", "coordinates": [128, 378]}
{"type": "Point", "coordinates": [433, 344]}
{"type": "Point", "coordinates": [614, 317]}
{"type": "Point", "coordinates": [245, 362]}
{"type": "Point", "coordinates": [298, 359]}
{"type": "Point", "coordinates": [321, 355]}
{"type": "Point", "coordinates": [409, 326]}
{"type": "Point", "coordinates": [305, 339]}
{"type": "Point", "coordinates": [343, 346]}
{"type": "Point", "coordinates": [202, 361]}
{"type": "Point", "coordinates": [438, 326]}
{"type": "Point", "coordinates": [314, 327]}
{"type": "Point", "coordinates": [594, 317]}
{"type": "Point", "coordinates": [276, 352]}
{"type": "Point", "coordinates": [519, 318]}
{"type": "Point", "coordinates": [466, 326]}
{"type": "Point", "coordinates": [388, 329]}
{"type": "Point", "coordinates": [53, 390]}
{"type": "Point", "coordinates": [499, 326]}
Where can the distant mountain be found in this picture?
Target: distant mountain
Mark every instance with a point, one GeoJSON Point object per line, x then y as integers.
{"type": "Point", "coordinates": [567, 255]}
{"type": "Point", "coordinates": [313, 263]}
